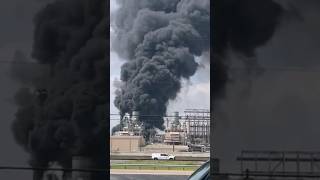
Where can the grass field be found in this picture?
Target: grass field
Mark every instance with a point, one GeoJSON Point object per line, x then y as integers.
{"type": "Point", "coordinates": [152, 167]}
{"type": "Point", "coordinates": [163, 162]}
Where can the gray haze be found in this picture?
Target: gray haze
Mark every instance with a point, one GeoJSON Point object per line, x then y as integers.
{"type": "Point", "coordinates": [278, 109]}
{"type": "Point", "coordinates": [16, 34]}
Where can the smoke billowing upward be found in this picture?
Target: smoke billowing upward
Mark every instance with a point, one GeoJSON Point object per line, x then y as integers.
{"type": "Point", "coordinates": [159, 39]}
{"type": "Point", "coordinates": [63, 114]}
{"type": "Point", "coordinates": [27, 72]}
{"type": "Point", "coordinates": [240, 26]}
{"type": "Point", "coordinates": [281, 110]}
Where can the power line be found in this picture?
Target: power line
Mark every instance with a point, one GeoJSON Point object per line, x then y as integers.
{"type": "Point", "coordinates": [152, 118]}
{"type": "Point", "coordinates": [157, 115]}
{"type": "Point", "coordinates": [51, 169]}
{"type": "Point", "coordinates": [19, 62]}
{"type": "Point", "coordinates": [294, 69]}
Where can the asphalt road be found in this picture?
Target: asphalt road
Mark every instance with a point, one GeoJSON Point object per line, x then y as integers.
{"type": "Point", "coordinates": [146, 177]}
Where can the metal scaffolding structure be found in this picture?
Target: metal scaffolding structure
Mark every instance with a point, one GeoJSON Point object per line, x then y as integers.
{"type": "Point", "coordinates": [299, 163]}
{"type": "Point", "coordinates": [197, 122]}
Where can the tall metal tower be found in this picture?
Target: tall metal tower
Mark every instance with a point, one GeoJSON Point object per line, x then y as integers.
{"type": "Point", "coordinates": [198, 125]}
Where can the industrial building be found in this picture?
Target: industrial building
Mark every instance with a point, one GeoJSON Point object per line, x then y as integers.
{"type": "Point", "coordinates": [192, 128]}
{"type": "Point", "coordinates": [197, 123]}
{"type": "Point", "coordinates": [126, 143]}
{"type": "Point", "coordinates": [131, 124]}
{"type": "Point", "coordinates": [173, 138]}
{"type": "Point", "coordinates": [174, 132]}
{"type": "Point", "coordinates": [130, 138]}
{"type": "Point", "coordinates": [159, 137]}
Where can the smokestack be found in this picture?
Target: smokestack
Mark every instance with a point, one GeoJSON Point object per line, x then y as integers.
{"type": "Point", "coordinates": [176, 116]}
{"type": "Point", "coordinates": [176, 119]}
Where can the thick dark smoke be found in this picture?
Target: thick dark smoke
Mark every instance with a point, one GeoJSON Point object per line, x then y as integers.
{"type": "Point", "coordinates": [281, 110]}
{"type": "Point", "coordinates": [64, 114]}
{"type": "Point", "coordinates": [27, 72]}
{"type": "Point", "coordinates": [240, 26]}
{"type": "Point", "coordinates": [160, 39]}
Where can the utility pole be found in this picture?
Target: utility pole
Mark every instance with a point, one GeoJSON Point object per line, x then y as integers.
{"type": "Point", "coordinates": [173, 147]}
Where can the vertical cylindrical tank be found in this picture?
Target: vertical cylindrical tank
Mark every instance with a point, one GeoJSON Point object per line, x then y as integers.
{"type": "Point", "coordinates": [176, 122]}
{"type": "Point", "coordinates": [135, 116]}
{"type": "Point", "coordinates": [176, 116]}
{"type": "Point", "coordinates": [81, 162]}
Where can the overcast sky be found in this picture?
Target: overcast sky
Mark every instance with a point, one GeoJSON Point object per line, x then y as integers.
{"type": "Point", "coordinates": [194, 94]}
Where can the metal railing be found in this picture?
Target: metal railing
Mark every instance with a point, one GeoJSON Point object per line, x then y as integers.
{"type": "Point", "coordinates": [281, 162]}
{"type": "Point", "coordinates": [155, 166]}
{"type": "Point", "coordinates": [266, 175]}
{"type": "Point", "coordinates": [115, 156]}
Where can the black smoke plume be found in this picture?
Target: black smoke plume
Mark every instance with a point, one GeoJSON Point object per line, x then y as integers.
{"type": "Point", "coordinates": [281, 112]}
{"type": "Point", "coordinates": [240, 26]}
{"type": "Point", "coordinates": [159, 39]}
{"type": "Point", "coordinates": [65, 114]}
{"type": "Point", "coordinates": [27, 72]}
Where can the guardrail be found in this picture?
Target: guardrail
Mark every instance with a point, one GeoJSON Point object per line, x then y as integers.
{"type": "Point", "coordinates": [156, 166]}
{"type": "Point", "coordinates": [177, 158]}
{"type": "Point", "coordinates": [265, 175]}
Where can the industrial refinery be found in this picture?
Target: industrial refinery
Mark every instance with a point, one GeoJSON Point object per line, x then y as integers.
{"type": "Point", "coordinates": [190, 131]}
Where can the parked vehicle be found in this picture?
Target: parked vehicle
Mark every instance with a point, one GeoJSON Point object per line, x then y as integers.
{"type": "Point", "coordinates": [193, 148]}
{"type": "Point", "coordinates": [162, 156]}
{"type": "Point", "coordinates": [202, 173]}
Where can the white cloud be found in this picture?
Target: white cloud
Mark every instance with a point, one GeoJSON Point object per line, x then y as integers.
{"type": "Point", "coordinates": [196, 95]}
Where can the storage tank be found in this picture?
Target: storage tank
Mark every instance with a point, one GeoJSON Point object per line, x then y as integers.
{"type": "Point", "coordinates": [135, 116]}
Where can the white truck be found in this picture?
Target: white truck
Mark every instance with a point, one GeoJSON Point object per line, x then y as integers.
{"type": "Point", "coordinates": [162, 156]}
